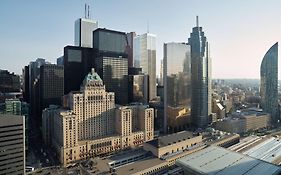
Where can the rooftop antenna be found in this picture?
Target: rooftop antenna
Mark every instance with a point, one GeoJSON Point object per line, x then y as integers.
{"type": "Point", "coordinates": [85, 10]}
{"type": "Point", "coordinates": [88, 11]}
{"type": "Point", "coordinates": [147, 26]}
{"type": "Point", "coordinates": [197, 21]}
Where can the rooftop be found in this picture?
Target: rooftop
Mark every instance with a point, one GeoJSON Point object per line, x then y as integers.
{"type": "Point", "coordinates": [139, 166]}
{"type": "Point", "coordinates": [269, 150]}
{"type": "Point", "coordinates": [219, 161]}
{"type": "Point", "coordinates": [171, 139]}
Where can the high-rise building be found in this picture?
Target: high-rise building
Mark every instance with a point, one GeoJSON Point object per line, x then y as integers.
{"type": "Point", "coordinates": [25, 89]}
{"type": "Point", "coordinates": [9, 82]}
{"type": "Point", "coordinates": [269, 83]}
{"type": "Point", "coordinates": [84, 105]}
{"type": "Point", "coordinates": [130, 48]}
{"type": "Point", "coordinates": [111, 61]}
{"type": "Point", "coordinates": [77, 62]}
{"type": "Point", "coordinates": [177, 86]}
{"type": "Point", "coordinates": [51, 87]}
{"type": "Point", "coordinates": [83, 31]}
{"type": "Point", "coordinates": [90, 125]}
{"type": "Point", "coordinates": [145, 57]}
{"type": "Point", "coordinates": [34, 72]}
{"type": "Point", "coordinates": [12, 144]}
{"type": "Point", "coordinates": [201, 77]}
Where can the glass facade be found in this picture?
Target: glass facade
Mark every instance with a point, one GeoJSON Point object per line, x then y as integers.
{"type": "Point", "coordinates": [114, 72]}
{"type": "Point", "coordinates": [201, 78]}
{"type": "Point", "coordinates": [269, 83]}
{"type": "Point", "coordinates": [177, 85]}
{"type": "Point", "coordinates": [138, 88]}
{"type": "Point", "coordinates": [144, 52]}
{"type": "Point", "coordinates": [110, 41]}
{"type": "Point", "coordinates": [111, 61]}
{"type": "Point", "coordinates": [83, 32]}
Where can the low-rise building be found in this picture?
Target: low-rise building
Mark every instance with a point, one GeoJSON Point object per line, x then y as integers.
{"type": "Point", "coordinates": [172, 143]}
{"type": "Point", "coordinates": [244, 121]}
{"type": "Point", "coordinates": [220, 161]}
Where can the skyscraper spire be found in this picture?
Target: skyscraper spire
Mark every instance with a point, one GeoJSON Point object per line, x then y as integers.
{"type": "Point", "coordinates": [197, 21]}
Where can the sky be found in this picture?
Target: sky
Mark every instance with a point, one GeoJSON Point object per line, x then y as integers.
{"type": "Point", "coordinates": [239, 31]}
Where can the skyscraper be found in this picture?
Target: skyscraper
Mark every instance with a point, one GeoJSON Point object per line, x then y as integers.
{"type": "Point", "coordinates": [130, 46]}
{"type": "Point", "coordinates": [145, 57]}
{"type": "Point", "coordinates": [83, 31]}
{"type": "Point", "coordinates": [269, 83]}
{"type": "Point", "coordinates": [77, 62]}
{"type": "Point", "coordinates": [51, 87]}
{"type": "Point", "coordinates": [111, 61]}
{"type": "Point", "coordinates": [177, 86]}
{"type": "Point", "coordinates": [201, 77]}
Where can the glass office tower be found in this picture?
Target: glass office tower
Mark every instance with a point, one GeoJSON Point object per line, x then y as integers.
{"type": "Point", "coordinates": [177, 86]}
{"type": "Point", "coordinates": [201, 77]}
{"type": "Point", "coordinates": [269, 83]}
{"type": "Point", "coordinates": [144, 52]}
{"type": "Point", "coordinates": [111, 61]}
{"type": "Point", "coordinates": [83, 32]}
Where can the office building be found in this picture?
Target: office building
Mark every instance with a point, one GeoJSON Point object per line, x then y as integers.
{"type": "Point", "coordinates": [12, 144]}
{"type": "Point", "coordinates": [111, 61]}
{"type": "Point", "coordinates": [177, 86]}
{"type": "Point", "coordinates": [9, 82]}
{"type": "Point", "coordinates": [25, 87]}
{"type": "Point", "coordinates": [269, 83]}
{"type": "Point", "coordinates": [130, 48]}
{"type": "Point", "coordinates": [34, 72]}
{"type": "Point", "coordinates": [90, 124]}
{"type": "Point", "coordinates": [83, 31]}
{"type": "Point", "coordinates": [77, 62]}
{"type": "Point", "coordinates": [201, 77]}
{"type": "Point", "coordinates": [51, 85]}
{"type": "Point", "coordinates": [145, 57]}
{"type": "Point", "coordinates": [244, 121]}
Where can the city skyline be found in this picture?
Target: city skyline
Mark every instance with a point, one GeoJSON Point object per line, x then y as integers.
{"type": "Point", "coordinates": [235, 37]}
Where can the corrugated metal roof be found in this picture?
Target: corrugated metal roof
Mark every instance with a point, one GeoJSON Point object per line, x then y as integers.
{"type": "Point", "coordinates": [269, 150]}
{"type": "Point", "coordinates": [219, 161]}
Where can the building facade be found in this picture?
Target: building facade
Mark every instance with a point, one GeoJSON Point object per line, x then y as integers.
{"type": "Point", "coordinates": [145, 57]}
{"type": "Point", "coordinates": [83, 32]}
{"type": "Point", "coordinates": [177, 86]}
{"type": "Point", "coordinates": [269, 83]}
{"type": "Point", "coordinates": [77, 62]}
{"type": "Point", "coordinates": [138, 86]}
{"type": "Point", "coordinates": [112, 61]}
{"type": "Point", "coordinates": [91, 125]}
{"type": "Point", "coordinates": [9, 82]}
{"type": "Point", "coordinates": [201, 77]}
{"type": "Point", "coordinates": [12, 144]}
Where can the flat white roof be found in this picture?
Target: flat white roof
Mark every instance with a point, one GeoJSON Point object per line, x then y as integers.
{"type": "Point", "coordinates": [219, 161]}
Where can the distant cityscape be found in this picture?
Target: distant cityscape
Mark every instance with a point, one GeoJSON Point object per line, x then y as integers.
{"type": "Point", "coordinates": [101, 109]}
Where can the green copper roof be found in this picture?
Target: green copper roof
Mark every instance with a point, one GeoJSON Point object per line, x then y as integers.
{"type": "Point", "coordinates": [93, 76]}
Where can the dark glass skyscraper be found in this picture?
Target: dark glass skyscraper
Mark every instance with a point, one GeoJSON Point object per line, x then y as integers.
{"type": "Point", "coordinates": [200, 77]}
{"type": "Point", "coordinates": [111, 61]}
{"type": "Point", "coordinates": [78, 62]}
{"type": "Point", "coordinates": [269, 83]}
